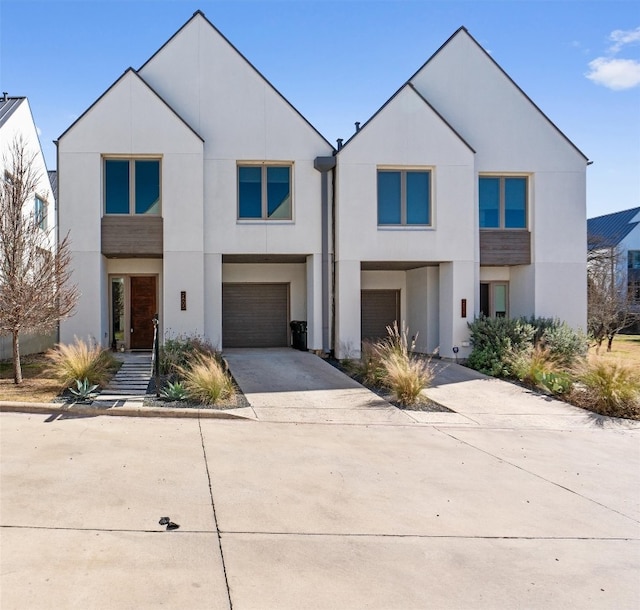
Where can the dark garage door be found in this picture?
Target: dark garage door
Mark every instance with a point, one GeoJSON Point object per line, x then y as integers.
{"type": "Point", "coordinates": [255, 315]}
{"type": "Point", "coordinates": [380, 308]}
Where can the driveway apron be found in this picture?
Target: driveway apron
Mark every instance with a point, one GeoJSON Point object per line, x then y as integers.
{"type": "Point", "coordinates": [287, 385]}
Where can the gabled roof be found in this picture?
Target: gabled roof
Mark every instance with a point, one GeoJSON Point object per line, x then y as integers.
{"type": "Point", "coordinates": [462, 29]}
{"type": "Point", "coordinates": [7, 107]}
{"type": "Point", "coordinates": [199, 13]}
{"type": "Point", "coordinates": [146, 84]}
{"type": "Point", "coordinates": [410, 86]}
{"type": "Point", "coordinates": [609, 230]}
{"type": "Point", "coordinates": [53, 179]}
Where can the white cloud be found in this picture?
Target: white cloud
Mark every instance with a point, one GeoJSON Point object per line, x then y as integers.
{"type": "Point", "coordinates": [616, 74]}
{"type": "Point", "coordinates": [621, 38]}
{"type": "Point", "coordinates": [613, 72]}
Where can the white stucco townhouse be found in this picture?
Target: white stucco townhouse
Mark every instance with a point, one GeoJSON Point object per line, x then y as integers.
{"type": "Point", "coordinates": [193, 189]}
{"type": "Point", "coordinates": [17, 125]}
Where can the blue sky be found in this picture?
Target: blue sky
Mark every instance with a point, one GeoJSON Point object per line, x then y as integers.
{"type": "Point", "coordinates": [337, 62]}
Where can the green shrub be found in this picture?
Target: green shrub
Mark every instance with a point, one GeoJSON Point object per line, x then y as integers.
{"type": "Point", "coordinates": [609, 388]}
{"type": "Point", "coordinates": [206, 380]}
{"type": "Point", "coordinates": [176, 353]}
{"type": "Point", "coordinates": [496, 341]}
{"type": "Point", "coordinates": [81, 361]}
{"type": "Point", "coordinates": [566, 345]}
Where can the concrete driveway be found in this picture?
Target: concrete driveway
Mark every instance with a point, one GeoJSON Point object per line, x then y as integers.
{"type": "Point", "coordinates": [288, 516]}
{"type": "Point", "coordinates": [287, 385]}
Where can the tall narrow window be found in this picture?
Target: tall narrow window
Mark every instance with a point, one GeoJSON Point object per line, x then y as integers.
{"type": "Point", "coordinates": [494, 299]}
{"type": "Point", "coordinates": [404, 197]}
{"type": "Point", "coordinates": [132, 186]}
{"type": "Point", "coordinates": [503, 202]}
{"type": "Point", "coordinates": [264, 192]}
{"type": "Point", "coordinates": [633, 259]}
{"type": "Point", "coordinates": [40, 213]}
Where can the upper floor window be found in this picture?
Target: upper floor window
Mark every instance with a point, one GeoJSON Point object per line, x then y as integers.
{"type": "Point", "coordinates": [264, 192]}
{"type": "Point", "coordinates": [132, 186]}
{"type": "Point", "coordinates": [503, 202]}
{"type": "Point", "coordinates": [404, 197]}
{"type": "Point", "coordinates": [633, 259]}
{"type": "Point", "coordinates": [40, 213]}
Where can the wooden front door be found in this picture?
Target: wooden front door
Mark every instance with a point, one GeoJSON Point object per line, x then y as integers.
{"type": "Point", "coordinates": [143, 308]}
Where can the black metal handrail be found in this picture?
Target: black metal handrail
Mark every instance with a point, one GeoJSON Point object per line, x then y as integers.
{"type": "Point", "coordinates": [155, 354]}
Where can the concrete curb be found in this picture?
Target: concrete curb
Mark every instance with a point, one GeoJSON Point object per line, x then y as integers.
{"type": "Point", "coordinates": [77, 409]}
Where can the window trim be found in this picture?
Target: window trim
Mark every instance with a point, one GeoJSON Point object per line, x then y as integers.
{"type": "Point", "coordinates": [501, 202]}
{"type": "Point", "coordinates": [403, 170]}
{"type": "Point", "coordinates": [132, 182]}
{"type": "Point", "coordinates": [264, 203]}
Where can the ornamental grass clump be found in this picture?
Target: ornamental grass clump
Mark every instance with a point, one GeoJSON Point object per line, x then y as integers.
{"type": "Point", "coordinates": [206, 380]}
{"type": "Point", "coordinates": [609, 388]}
{"type": "Point", "coordinates": [391, 363]}
{"type": "Point", "coordinates": [80, 360]}
{"type": "Point", "coordinates": [406, 376]}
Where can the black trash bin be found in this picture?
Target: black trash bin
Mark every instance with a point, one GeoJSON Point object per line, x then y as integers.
{"type": "Point", "coordinates": [299, 334]}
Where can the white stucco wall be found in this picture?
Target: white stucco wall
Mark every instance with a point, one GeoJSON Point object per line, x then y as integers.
{"type": "Point", "coordinates": [406, 133]}
{"type": "Point", "coordinates": [511, 136]}
{"type": "Point", "coordinates": [125, 122]}
{"type": "Point", "coordinates": [241, 118]}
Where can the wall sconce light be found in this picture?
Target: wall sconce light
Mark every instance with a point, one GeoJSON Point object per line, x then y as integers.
{"type": "Point", "coordinates": [463, 308]}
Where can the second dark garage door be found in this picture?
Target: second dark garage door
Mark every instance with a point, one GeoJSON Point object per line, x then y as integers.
{"type": "Point", "coordinates": [380, 308]}
{"type": "Point", "coordinates": [255, 315]}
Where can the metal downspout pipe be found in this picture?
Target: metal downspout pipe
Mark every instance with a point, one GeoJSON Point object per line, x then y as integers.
{"type": "Point", "coordinates": [324, 165]}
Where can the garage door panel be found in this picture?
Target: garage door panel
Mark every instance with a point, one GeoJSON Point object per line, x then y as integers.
{"type": "Point", "coordinates": [255, 315]}
{"type": "Point", "coordinates": [379, 309]}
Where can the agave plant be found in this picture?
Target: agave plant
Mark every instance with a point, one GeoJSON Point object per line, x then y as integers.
{"type": "Point", "coordinates": [174, 391]}
{"type": "Point", "coordinates": [84, 390]}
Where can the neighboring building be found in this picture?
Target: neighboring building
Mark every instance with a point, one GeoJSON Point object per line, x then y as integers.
{"type": "Point", "coordinates": [16, 121]}
{"type": "Point", "coordinates": [192, 188]}
{"type": "Point", "coordinates": [620, 232]}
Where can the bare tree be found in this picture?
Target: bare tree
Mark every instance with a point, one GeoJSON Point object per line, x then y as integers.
{"type": "Point", "coordinates": [610, 305]}
{"type": "Point", "coordinates": [35, 276]}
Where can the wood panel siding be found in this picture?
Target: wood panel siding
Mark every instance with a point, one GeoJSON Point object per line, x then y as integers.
{"type": "Point", "coordinates": [505, 247]}
{"type": "Point", "coordinates": [132, 236]}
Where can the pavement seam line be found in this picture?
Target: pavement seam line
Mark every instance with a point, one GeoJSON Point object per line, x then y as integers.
{"type": "Point", "coordinates": [324, 534]}
{"type": "Point", "coordinates": [215, 516]}
{"type": "Point", "coordinates": [538, 476]}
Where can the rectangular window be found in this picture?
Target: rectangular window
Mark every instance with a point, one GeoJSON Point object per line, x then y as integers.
{"type": "Point", "coordinates": [633, 259]}
{"type": "Point", "coordinates": [264, 192]}
{"type": "Point", "coordinates": [633, 290]}
{"type": "Point", "coordinates": [404, 197]}
{"type": "Point", "coordinates": [503, 202]}
{"type": "Point", "coordinates": [494, 299]}
{"type": "Point", "coordinates": [40, 213]}
{"type": "Point", "coordinates": [132, 186]}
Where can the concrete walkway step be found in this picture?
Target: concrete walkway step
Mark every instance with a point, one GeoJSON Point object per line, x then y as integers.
{"type": "Point", "coordinates": [130, 383]}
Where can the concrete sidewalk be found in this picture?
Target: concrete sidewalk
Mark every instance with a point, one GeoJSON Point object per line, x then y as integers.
{"type": "Point", "coordinates": [316, 516]}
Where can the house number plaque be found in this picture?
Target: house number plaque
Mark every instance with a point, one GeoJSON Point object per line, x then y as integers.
{"type": "Point", "coordinates": [183, 300]}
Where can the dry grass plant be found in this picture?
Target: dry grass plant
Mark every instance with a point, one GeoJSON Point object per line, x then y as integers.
{"type": "Point", "coordinates": [80, 360]}
{"type": "Point", "coordinates": [406, 376]}
{"type": "Point", "coordinates": [608, 387]}
{"type": "Point", "coordinates": [390, 363]}
{"type": "Point", "coordinates": [206, 380]}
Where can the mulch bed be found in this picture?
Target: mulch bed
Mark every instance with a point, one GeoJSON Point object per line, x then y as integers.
{"type": "Point", "coordinates": [423, 403]}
